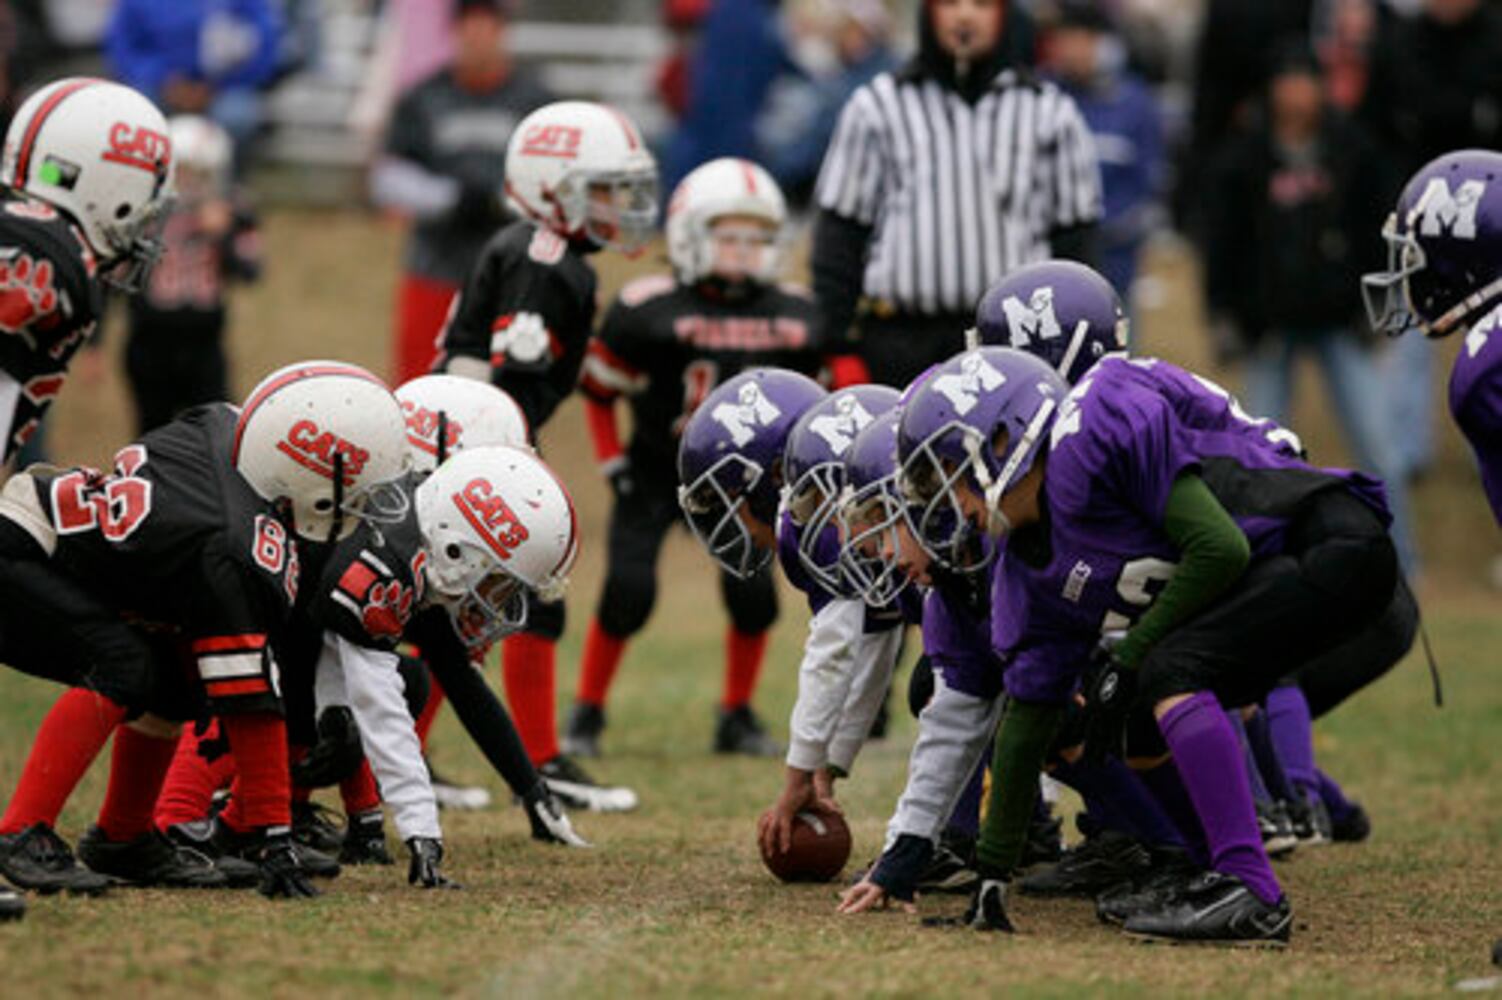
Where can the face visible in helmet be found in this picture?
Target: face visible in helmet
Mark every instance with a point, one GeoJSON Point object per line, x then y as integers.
{"type": "Point", "coordinates": [621, 210]}
{"type": "Point", "coordinates": [739, 246]}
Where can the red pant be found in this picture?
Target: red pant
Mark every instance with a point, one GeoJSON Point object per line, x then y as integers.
{"type": "Point", "coordinates": [422, 306]}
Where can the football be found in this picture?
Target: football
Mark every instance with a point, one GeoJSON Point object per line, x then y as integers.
{"type": "Point", "coordinates": [820, 847]}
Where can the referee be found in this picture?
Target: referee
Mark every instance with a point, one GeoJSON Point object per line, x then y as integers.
{"type": "Point", "coordinates": [940, 179]}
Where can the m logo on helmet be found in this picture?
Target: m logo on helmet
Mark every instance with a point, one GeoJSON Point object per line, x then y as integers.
{"type": "Point", "coordinates": [138, 146]}
{"type": "Point", "coordinates": [751, 409]}
{"type": "Point", "coordinates": [963, 388]}
{"type": "Point", "coordinates": [839, 429]}
{"type": "Point", "coordinates": [422, 429]}
{"type": "Point", "coordinates": [316, 449]}
{"type": "Point", "coordinates": [491, 516]}
{"type": "Point", "coordinates": [1032, 320]}
{"type": "Point", "coordinates": [1440, 212]}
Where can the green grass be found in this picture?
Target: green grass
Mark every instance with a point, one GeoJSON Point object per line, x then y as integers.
{"type": "Point", "coordinates": [674, 900]}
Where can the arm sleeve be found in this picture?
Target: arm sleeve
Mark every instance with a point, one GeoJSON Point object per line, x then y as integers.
{"type": "Point", "coordinates": [838, 259]}
{"type": "Point", "coordinates": [824, 677]}
{"type": "Point", "coordinates": [604, 433]}
{"type": "Point", "coordinates": [387, 734]}
{"type": "Point", "coordinates": [875, 659]}
{"type": "Point", "coordinates": [1021, 744]}
{"type": "Point", "coordinates": [1214, 552]}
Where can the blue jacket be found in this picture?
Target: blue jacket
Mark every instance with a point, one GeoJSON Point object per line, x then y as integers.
{"type": "Point", "coordinates": [1123, 118]}
{"type": "Point", "coordinates": [227, 43]}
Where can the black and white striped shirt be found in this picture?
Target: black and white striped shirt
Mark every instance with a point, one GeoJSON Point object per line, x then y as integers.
{"type": "Point", "coordinates": [958, 194]}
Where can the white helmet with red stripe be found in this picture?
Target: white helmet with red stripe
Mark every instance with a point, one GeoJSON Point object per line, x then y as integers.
{"type": "Point", "coordinates": [101, 152]}
{"type": "Point", "coordinates": [446, 414]}
{"type": "Point", "coordinates": [582, 170]}
{"type": "Point", "coordinates": [719, 188]}
{"type": "Point", "coordinates": [496, 522]}
{"type": "Point", "coordinates": [203, 154]}
{"type": "Point", "coordinates": [328, 438]}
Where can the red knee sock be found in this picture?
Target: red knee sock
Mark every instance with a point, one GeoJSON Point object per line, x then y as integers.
{"type": "Point", "coordinates": [602, 654]}
{"type": "Point", "coordinates": [138, 767]}
{"type": "Point", "coordinates": [263, 792]}
{"type": "Point", "coordinates": [359, 792]}
{"type": "Point", "coordinates": [69, 739]}
{"type": "Point", "coordinates": [528, 667]}
{"type": "Point", "coordinates": [424, 720]}
{"type": "Point", "coordinates": [744, 652]}
{"type": "Point", "coordinates": [193, 779]}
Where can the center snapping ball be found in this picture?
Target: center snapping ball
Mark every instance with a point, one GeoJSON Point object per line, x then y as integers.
{"type": "Point", "coordinates": [820, 847]}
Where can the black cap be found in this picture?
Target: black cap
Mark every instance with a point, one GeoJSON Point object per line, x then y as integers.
{"type": "Point", "coordinates": [1087, 14]}
{"type": "Point", "coordinates": [500, 8]}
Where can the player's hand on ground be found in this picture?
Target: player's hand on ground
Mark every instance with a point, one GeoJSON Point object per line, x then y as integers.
{"type": "Point", "coordinates": [424, 869]}
{"type": "Point", "coordinates": [867, 895]}
{"type": "Point", "coordinates": [774, 829]}
{"type": "Point", "coordinates": [550, 823]}
{"type": "Point", "coordinates": [282, 873]}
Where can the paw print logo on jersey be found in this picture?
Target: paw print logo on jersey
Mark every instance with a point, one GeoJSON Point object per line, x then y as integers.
{"type": "Point", "coordinates": [751, 409]}
{"type": "Point", "coordinates": [1034, 319]}
{"type": "Point", "coordinates": [963, 388]}
{"type": "Point", "coordinates": [521, 337]}
{"type": "Point", "coordinates": [839, 429]}
{"type": "Point", "coordinates": [27, 293]}
{"type": "Point", "coordinates": [387, 608]}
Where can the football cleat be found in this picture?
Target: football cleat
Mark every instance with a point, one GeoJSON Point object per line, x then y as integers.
{"type": "Point", "coordinates": [40, 860]}
{"type": "Point", "coordinates": [12, 905]}
{"type": "Point", "coordinates": [738, 730]}
{"type": "Point", "coordinates": [573, 786]}
{"type": "Point", "coordinates": [1103, 862]}
{"type": "Point", "coordinates": [1172, 870]}
{"type": "Point", "coordinates": [1045, 839]}
{"type": "Point", "coordinates": [1216, 908]}
{"type": "Point", "coordinates": [585, 724]}
{"type": "Point", "coordinates": [1352, 827]}
{"type": "Point", "coordinates": [947, 872]}
{"type": "Point", "coordinates": [365, 841]}
{"type": "Point", "coordinates": [150, 859]}
{"type": "Point", "coordinates": [452, 795]}
{"type": "Point", "coordinates": [251, 845]}
{"type": "Point", "coordinates": [1278, 838]}
{"type": "Point", "coordinates": [314, 826]}
{"type": "Point", "coordinates": [1310, 821]}
{"type": "Point", "coordinates": [199, 836]}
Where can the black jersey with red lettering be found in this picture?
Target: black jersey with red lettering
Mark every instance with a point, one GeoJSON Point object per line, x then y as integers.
{"type": "Point", "coordinates": [373, 582]}
{"type": "Point", "coordinates": [665, 346]}
{"type": "Point", "coordinates": [526, 311]}
{"type": "Point", "coordinates": [49, 303]}
{"type": "Point", "coordinates": [176, 537]}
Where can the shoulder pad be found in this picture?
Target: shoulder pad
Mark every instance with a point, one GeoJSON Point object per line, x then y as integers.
{"type": "Point", "coordinates": [796, 290]}
{"type": "Point", "coordinates": [647, 287]}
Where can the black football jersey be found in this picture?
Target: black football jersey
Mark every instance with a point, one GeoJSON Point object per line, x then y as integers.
{"type": "Point", "coordinates": [49, 303]}
{"type": "Point", "coordinates": [666, 346]}
{"type": "Point", "coordinates": [526, 311]}
{"type": "Point", "coordinates": [175, 537]}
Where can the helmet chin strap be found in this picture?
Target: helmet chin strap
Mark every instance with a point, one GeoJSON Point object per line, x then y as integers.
{"type": "Point", "coordinates": [997, 522]}
{"type": "Point", "coordinates": [337, 524]}
{"type": "Point", "coordinates": [443, 435]}
{"type": "Point", "coordinates": [1076, 341]}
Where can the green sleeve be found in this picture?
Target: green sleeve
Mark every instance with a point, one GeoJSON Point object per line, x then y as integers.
{"type": "Point", "coordinates": [1213, 553]}
{"type": "Point", "coordinates": [1022, 741]}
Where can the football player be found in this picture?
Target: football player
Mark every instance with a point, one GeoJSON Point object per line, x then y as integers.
{"type": "Point", "coordinates": [665, 343]}
{"type": "Point", "coordinates": [182, 562]}
{"type": "Point", "coordinates": [86, 173]}
{"type": "Point", "coordinates": [580, 179]}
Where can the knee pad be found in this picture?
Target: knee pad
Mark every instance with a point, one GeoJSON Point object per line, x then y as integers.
{"type": "Point", "coordinates": [626, 602]}
{"type": "Point", "coordinates": [546, 619]}
{"type": "Point", "coordinates": [416, 684]}
{"type": "Point", "coordinates": [752, 603]}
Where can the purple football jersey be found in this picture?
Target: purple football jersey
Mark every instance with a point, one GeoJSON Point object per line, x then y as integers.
{"type": "Point", "coordinates": [1121, 439]}
{"type": "Point", "coordinates": [957, 641]}
{"type": "Point", "coordinates": [1476, 402]}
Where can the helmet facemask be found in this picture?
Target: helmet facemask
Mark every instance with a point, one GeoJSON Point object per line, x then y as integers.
{"type": "Point", "coordinates": [930, 484]}
{"type": "Point", "coordinates": [813, 502]}
{"type": "Point", "coordinates": [492, 608]}
{"type": "Point", "coordinates": [869, 519]}
{"type": "Point", "coordinates": [714, 515]}
{"type": "Point", "coordinates": [614, 209]}
{"type": "Point", "coordinates": [1385, 293]}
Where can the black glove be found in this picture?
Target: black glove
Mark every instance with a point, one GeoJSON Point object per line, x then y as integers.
{"type": "Point", "coordinates": [365, 841]}
{"type": "Point", "coordinates": [282, 873]}
{"type": "Point", "coordinates": [337, 754]}
{"type": "Point", "coordinates": [1110, 692]}
{"type": "Point", "coordinates": [427, 855]}
{"type": "Point", "coordinates": [901, 865]}
{"type": "Point", "coordinates": [549, 822]}
{"type": "Point", "coordinates": [479, 207]}
{"type": "Point", "coordinates": [622, 479]}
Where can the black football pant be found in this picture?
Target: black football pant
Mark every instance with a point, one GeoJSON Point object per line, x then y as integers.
{"type": "Point", "coordinates": [174, 370]}
{"type": "Point", "coordinates": [1330, 679]}
{"type": "Point", "coordinates": [639, 521]}
{"type": "Point", "coordinates": [900, 347]}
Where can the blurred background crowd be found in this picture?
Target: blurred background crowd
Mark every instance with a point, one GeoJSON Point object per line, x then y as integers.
{"type": "Point", "coordinates": [1267, 136]}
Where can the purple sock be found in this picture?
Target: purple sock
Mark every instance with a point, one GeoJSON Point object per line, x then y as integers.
{"type": "Point", "coordinates": [1120, 801]}
{"type": "Point", "coordinates": [1293, 736]}
{"type": "Point", "coordinates": [1214, 772]}
{"type": "Point", "coordinates": [1334, 798]}
{"type": "Point", "coordinates": [1269, 764]}
{"type": "Point", "coordinates": [1253, 772]}
{"type": "Point", "coordinates": [1168, 789]}
{"type": "Point", "coordinates": [966, 815]}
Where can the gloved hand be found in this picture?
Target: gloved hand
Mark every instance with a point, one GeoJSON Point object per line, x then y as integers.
{"type": "Point", "coordinates": [1110, 690]}
{"type": "Point", "coordinates": [549, 822]}
{"type": "Point", "coordinates": [336, 755]}
{"type": "Point", "coordinates": [282, 873]}
{"type": "Point", "coordinates": [427, 855]}
{"type": "Point", "coordinates": [365, 841]}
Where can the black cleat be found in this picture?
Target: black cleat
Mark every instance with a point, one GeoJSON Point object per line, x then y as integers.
{"type": "Point", "coordinates": [1310, 821]}
{"type": "Point", "coordinates": [738, 730]}
{"type": "Point", "coordinates": [40, 860]}
{"type": "Point", "coordinates": [316, 826]}
{"type": "Point", "coordinates": [1102, 862]}
{"type": "Point", "coordinates": [199, 835]}
{"type": "Point", "coordinates": [585, 724]}
{"type": "Point", "coordinates": [947, 872]}
{"type": "Point", "coordinates": [150, 859]}
{"type": "Point", "coordinates": [1278, 838]}
{"type": "Point", "coordinates": [573, 786]}
{"type": "Point", "coordinates": [12, 905]}
{"type": "Point", "coordinates": [1171, 872]}
{"type": "Point", "coordinates": [365, 841]}
{"type": "Point", "coordinates": [1352, 828]}
{"type": "Point", "coordinates": [1045, 840]}
{"type": "Point", "coordinates": [1216, 908]}
{"type": "Point", "coordinates": [248, 846]}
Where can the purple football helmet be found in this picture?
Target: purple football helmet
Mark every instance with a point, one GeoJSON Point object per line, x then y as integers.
{"type": "Point", "coordinates": [1063, 312]}
{"type": "Point", "coordinates": [814, 469]}
{"type": "Point", "coordinates": [947, 436]}
{"type": "Point", "coordinates": [1444, 248]}
{"type": "Point", "coordinates": [730, 455]}
{"type": "Point", "coordinates": [870, 513]}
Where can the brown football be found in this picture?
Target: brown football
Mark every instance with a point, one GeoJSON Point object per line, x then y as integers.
{"type": "Point", "coordinates": [820, 848]}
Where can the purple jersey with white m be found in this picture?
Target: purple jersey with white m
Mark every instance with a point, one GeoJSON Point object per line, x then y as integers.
{"type": "Point", "coordinates": [1476, 402]}
{"type": "Point", "coordinates": [1122, 437]}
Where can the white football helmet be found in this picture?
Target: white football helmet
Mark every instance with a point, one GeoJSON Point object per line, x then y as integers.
{"type": "Point", "coordinates": [582, 170]}
{"type": "Point", "coordinates": [727, 186]}
{"type": "Point", "coordinates": [446, 414]}
{"type": "Point", "coordinates": [329, 439]}
{"type": "Point", "coordinates": [496, 523]}
{"type": "Point", "coordinates": [202, 153]}
{"type": "Point", "coordinates": [100, 152]}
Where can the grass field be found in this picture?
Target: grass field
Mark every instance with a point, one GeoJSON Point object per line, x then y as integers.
{"type": "Point", "coordinates": [674, 900]}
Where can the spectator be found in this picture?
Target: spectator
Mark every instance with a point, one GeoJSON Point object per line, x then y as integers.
{"type": "Point", "coordinates": [203, 57]}
{"type": "Point", "coordinates": [443, 167]}
{"type": "Point", "coordinates": [1345, 34]}
{"type": "Point", "coordinates": [1293, 225]}
{"type": "Point", "coordinates": [1087, 57]}
{"type": "Point", "coordinates": [670, 81]}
